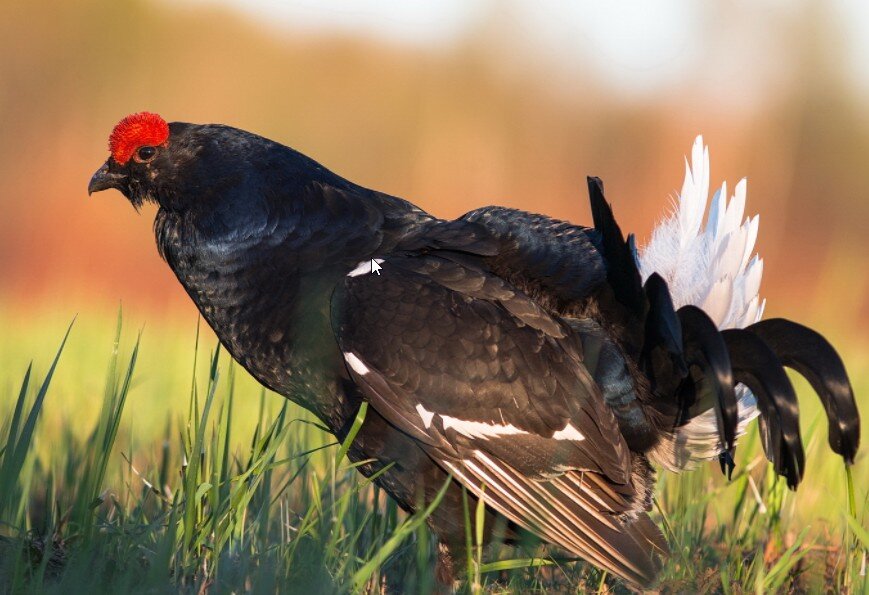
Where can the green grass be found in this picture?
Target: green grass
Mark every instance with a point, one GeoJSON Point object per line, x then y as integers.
{"type": "Point", "coordinates": [149, 462]}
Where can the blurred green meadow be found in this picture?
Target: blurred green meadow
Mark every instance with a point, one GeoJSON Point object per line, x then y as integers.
{"type": "Point", "coordinates": [142, 459]}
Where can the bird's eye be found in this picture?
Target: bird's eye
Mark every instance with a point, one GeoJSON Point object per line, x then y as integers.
{"type": "Point", "coordinates": [146, 153]}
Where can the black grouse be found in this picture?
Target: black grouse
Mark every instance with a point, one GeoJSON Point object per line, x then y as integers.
{"type": "Point", "coordinates": [543, 365]}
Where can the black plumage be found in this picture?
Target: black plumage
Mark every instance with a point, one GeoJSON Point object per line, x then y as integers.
{"type": "Point", "coordinates": [757, 367]}
{"type": "Point", "coordinates": [706, 349]}
{"type": "Point", "coordinates": [518, 353]}
{"type": "Point", "coordinates": [811, 355]}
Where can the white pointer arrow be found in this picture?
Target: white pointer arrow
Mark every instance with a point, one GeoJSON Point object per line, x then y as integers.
{"type": "Point", "coordinates": [366, 268]}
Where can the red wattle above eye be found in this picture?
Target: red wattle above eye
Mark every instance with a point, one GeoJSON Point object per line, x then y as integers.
{"type": "Point", "coordinates": [134, 131]}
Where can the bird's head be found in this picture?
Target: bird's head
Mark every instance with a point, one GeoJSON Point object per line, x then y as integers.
{"type": "Point", "coordinates": [142, 158]}
{"type": "Point", "coordinates": [190, 168]}
{"type": "Point", "coordinates": [220, 182]}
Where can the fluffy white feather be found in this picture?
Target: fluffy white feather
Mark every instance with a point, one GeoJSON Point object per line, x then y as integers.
{"type": "Point", "coordinates": [711, 267]}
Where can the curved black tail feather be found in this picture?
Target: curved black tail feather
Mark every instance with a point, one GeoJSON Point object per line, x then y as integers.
{"type": "Point", "coordinates": [810, 354]}
{"type": "Point", "coordinates": [756, 366]}
{"type": "Point", "coordinates": [705, 348]}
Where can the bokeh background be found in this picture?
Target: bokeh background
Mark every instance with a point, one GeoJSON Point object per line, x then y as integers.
{"type": "Point", "coordinates": [454, 105]}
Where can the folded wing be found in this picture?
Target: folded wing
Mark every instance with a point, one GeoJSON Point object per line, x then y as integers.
{"type": "Point", "coordinates": [496, 391]}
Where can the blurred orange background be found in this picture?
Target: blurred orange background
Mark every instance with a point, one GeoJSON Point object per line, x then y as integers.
{"type": "Point", "coordinates": [503, 103]}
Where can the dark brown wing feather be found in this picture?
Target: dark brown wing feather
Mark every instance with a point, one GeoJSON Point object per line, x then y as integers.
{"type": "Point", "coordinates": [496, 391]}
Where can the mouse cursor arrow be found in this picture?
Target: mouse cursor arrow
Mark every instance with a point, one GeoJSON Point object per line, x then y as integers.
{"type": "Point", "coordinates": [375, 267]}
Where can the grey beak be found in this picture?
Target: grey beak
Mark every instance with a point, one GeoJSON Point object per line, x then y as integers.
{"type": "Point", "coordinates": [103, 179]}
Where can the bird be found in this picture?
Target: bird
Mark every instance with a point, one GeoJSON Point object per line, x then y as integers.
{"type": "Point", "coordinates": [547, 369]}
